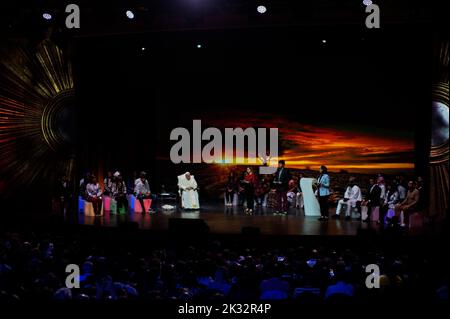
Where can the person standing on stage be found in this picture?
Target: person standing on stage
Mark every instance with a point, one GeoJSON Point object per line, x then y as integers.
{"type": "Point", "coordinates": [107, 183]}
{"type": "Point", "coordinates": [64, 194]}
{"type": "Point", "coordinates": [281, 181]}
{"type": "Point", "coordinates": [261, 192]}
{"type": "Point", "coordinates": [230, 190]}
{"type": "Point", "coordinates": [323, 192]}
{"type": "Point", "coordinates": [373, 198]}
{"type": "Point", "coordinates": [250, 183]}
{"type": "Point", "coordinates": [94, 195]}
{"type": "Point", "coordinates": [119, 192]}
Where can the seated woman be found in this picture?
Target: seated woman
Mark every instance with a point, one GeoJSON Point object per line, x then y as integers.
{"type": "Point", "coordinates": [94, 195]}
{"type": "Point", "coordinates": [119, 192]}
{"type": "Point", "coordinates": [188, 191]}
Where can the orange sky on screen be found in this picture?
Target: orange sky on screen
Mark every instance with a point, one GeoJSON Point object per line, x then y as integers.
{"type": "Point", "coordinates": [309, 146]}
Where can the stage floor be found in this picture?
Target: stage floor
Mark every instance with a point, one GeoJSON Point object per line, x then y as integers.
{"type": "Point", "coordinates": [231, 220]}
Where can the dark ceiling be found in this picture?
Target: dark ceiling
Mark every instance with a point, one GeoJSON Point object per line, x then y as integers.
{"type": "Point", "coordinates": [103, 17]}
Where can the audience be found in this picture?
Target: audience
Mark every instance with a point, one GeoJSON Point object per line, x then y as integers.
{"type": "Point", "coordinates": [32, 267]}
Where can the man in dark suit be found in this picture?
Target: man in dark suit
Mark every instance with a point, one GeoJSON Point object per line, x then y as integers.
{"type": "Point", "coordinates": [281, 181]}
{"type": "Point", "coordinates": [373, 198]}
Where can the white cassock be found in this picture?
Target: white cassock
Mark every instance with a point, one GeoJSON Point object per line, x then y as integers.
{"type": "Point", "coordinates": [188, 192]}
{"type": "Point", "coordinates": [311, 204]}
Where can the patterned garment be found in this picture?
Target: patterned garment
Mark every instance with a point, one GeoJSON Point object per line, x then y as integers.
{"type": "Point", "coordinates": [272, 199]}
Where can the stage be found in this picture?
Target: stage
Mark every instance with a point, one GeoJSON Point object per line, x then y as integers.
{"type": "Point", "coordinates": [231, 220]}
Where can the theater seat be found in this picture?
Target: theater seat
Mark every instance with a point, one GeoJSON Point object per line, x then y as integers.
{"type": "Point", "coordinates": [89, 209]}
{"type": "Point", "coordinates": [415, 221]}
{"type": "Point", "coordinates": [235, 199]}
{"type": "Point", "coordinates": [131, 200]}
{"type": "Point", "coordinates": [375, 215]}
{"type": "Point", "coordinates": [80, 204]}
{"type": "Point", "coordinates": [138, 208]}
{"type": "Point", "coordinates": [355, 212]}
{"type": "Point", "coordinates": [107, 203]}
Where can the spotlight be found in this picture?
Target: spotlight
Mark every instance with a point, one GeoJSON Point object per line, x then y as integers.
{"type": "Point", "coordinates": [324, 41]}
{"type": "Point", "coordinates": [367, 2]}
{"type": "Point", "coordinates": [47, 16]}
{"type": "Point", "coordinates": [143, 49]}
{"type": "Point", "coordinates": [199, 46]}
{"type": "Point", "coordinates": [261, 9]}
{"type": "Point", "coordinates": [130, 14]}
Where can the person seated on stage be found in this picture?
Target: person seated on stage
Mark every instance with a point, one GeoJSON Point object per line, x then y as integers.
{"type": "Point", "coordinates": [292, 191]}
{"type": "Point", "coordinates": [373, 198]}
{"type": "Point", "coordinates": [399, 181]}
{"type": "Point", "coordinates": [390, 200]}
{"type": "Point", "coordinates": [381, 183]}
{"type": "Point", "coordinates": [250, 182]}
{"type": "Point", "coordinates": [261, 192]}
{"type": "Point", "coordinates": [188, 191]}
{"type": "Point", "coordinates": [409, 205]}
{"type": "Point", "coordinates": [351, 197]}
{"type": "Point", "coordinates": [119, 192]}
{"type": "Point", "coordinates": [230, 189]}
{"type": "Point", "coordinates": [107, 183]}
{"type": "Point", "coordinates": [142, 191]}
{"type": "Point", "coordinates": [272, 197]}
{"type": "Point", "coordinates": [94, 195]}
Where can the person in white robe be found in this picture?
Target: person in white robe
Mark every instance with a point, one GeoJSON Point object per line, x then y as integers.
{"type": "Point", "coordinates": [188, 191]}
{"type": "Point", "coordinates": [351, 197]}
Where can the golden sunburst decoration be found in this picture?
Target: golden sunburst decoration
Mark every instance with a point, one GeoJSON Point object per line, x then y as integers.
{"type": "Point", "coordinates": [36, 102]}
